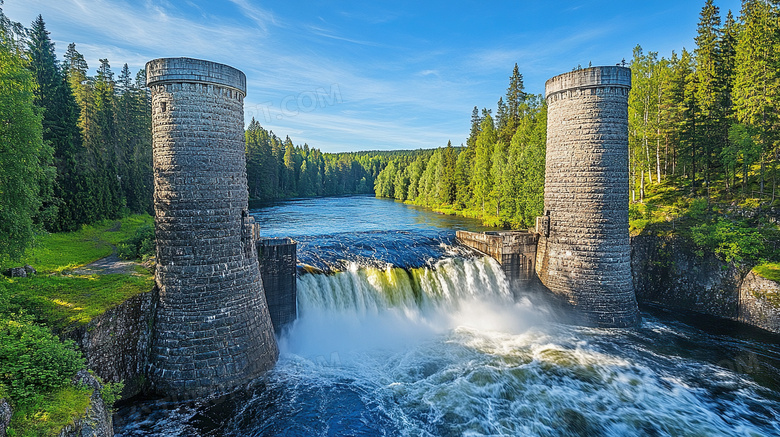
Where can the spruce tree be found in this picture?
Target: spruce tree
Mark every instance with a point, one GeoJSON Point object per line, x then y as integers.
{"type": "Point", "coordinates": [709, 89]}
{"type": "Point", "coordinates": [43, 64]}
{"type": "Point", "coordinates": [476, 121]}
{"type": "Point", "coordinates": [756, 92]}
{"type": "Point", "coordinates": [515, 97]}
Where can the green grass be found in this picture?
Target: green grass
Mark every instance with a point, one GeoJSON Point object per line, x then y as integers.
{"type": "Point", "coordinates": [51, 414]}
{"type": "Point", "coordinates": [769, 271]}
{"type": "Point", "coordinates": [63, 301]}
{"type": "Point", "coordinates": [54, 253]}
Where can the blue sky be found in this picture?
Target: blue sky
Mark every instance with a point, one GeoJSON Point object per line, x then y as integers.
{"type": "Point", "coordinates": [365, 75]}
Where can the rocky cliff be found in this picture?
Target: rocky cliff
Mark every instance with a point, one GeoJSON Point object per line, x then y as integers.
{"type": "Point", "coordinates": [667, 271]}
{"type": "Point", "coordinates": [116, 343]}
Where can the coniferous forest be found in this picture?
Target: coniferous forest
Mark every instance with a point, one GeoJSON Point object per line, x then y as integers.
{"type": "Point", "coordinates": [703, 122]}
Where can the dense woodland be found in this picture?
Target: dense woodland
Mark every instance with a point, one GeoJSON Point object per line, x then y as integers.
{"type": "Point", "coordinates": [278, 169]}
{"type": "Point", "coordinates": [78, 148]}
{"type": "Point", "coordinates": [708, 118]}
{"type": "Point", "coordinates": [498, 176]}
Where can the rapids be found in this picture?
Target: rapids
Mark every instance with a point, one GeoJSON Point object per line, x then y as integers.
{"type": "Point", "coordinates": [443, 345]}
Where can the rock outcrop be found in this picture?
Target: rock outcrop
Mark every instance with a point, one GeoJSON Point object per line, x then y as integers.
{"type": "Point", "coordinates": [668, 271]}
{"type": "Point", "coordinates": [96, 420]}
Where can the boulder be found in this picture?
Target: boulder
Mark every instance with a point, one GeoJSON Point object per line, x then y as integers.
{"type": "Point", "coordinates": [16, 272]}
{"type": "Point", "coordinates": [5, 416]}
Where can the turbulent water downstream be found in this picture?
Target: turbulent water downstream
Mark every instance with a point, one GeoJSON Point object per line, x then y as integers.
{"type": "Point", "coordinates": [412, 335]}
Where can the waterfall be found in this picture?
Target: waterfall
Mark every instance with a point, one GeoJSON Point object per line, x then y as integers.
{"type": "Point", "coordinates": [393, 308]}
{"type": "Point", "coordinates": [369, 290]}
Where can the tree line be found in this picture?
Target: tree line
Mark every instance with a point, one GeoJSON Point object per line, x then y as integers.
{"type": "Point", "coordinates": [706, 120]}
{"type": "Point", "coordinates": [497, 176]}
{"type": "Point", "coordinates": [279, 169]}
{"type": "Point", "coordinates": [76, 148]}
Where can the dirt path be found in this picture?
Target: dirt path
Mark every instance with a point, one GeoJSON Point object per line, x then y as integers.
{"type": "Point", "coordinates": [107, 266]}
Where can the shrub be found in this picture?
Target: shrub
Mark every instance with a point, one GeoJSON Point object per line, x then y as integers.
{"type": "Point", "coordinates": [732, 240]}
{"type": "Point", "coordinates": [141, 245]}
{"type": "Point", "coordinates": [698, 208]}
{"type": "Point", "coordinates": [34, 361]}
{"type": "Point", "coordinates": [111, 392]}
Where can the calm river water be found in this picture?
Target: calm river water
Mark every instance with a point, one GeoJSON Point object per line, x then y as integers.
{"type": "Point", "coordinates": [411, 334]}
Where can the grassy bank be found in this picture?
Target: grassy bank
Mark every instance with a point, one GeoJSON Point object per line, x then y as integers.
{"type": "Point", "coordinates": [57, 299]}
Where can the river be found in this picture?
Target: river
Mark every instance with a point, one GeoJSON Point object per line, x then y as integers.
{"type": "Point", "coordinates": [411, 334]}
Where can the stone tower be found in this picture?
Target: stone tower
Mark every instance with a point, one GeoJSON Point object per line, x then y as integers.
{"type": "Point", "coordinates": [584, 249]}
{"type": "Point", "coordinates": [212, 328]}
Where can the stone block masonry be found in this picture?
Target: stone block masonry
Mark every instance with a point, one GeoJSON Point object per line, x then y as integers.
{"type": "Point", "coordinates": [212, 329]}
{"type": "Point", "coordinates": [584, 249]}
{"type": "Point", "coordinates": [278, 268]}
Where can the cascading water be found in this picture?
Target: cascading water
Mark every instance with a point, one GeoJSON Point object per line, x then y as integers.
{"type": "Point", "coordinates": [444, 346]}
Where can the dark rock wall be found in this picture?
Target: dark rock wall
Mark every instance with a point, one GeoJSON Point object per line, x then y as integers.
{"type": "Point", "coordinates": [116, 344]}
{"type": "Point", "coordinates": [586, 257]}
{"type": "Point", "coordinates": [667, 271]}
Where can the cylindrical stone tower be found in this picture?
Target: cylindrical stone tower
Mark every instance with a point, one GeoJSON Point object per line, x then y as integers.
{"type": "Point", "coordinates": [212, 328]}
{"type": "Point", "coordinates": [584, 252]}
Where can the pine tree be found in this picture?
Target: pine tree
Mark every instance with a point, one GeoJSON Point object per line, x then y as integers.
{"type": "Point", "coordinates": [726, 71]}
{"type": "Point", "coordinates": [709, 88]}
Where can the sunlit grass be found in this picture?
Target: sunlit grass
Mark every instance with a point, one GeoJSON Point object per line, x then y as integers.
{"type": "Point", "coordinates": [53, 412]}
{"type": "Point", "coordinates": [769, 271]}
{"type": "Point", "coordinates": [63, 301]}
{"type": "Point", "coordinates": [55, 253]}
{"type": "Point", "coordinates": [66, 301]}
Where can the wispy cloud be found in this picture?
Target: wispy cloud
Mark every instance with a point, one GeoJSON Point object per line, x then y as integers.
{"type": "Point", "coordinates": [261, 17]}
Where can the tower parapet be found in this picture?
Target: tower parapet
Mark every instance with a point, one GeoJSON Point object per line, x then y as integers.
{"type": "Point", "coordinates": [584, 252]}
